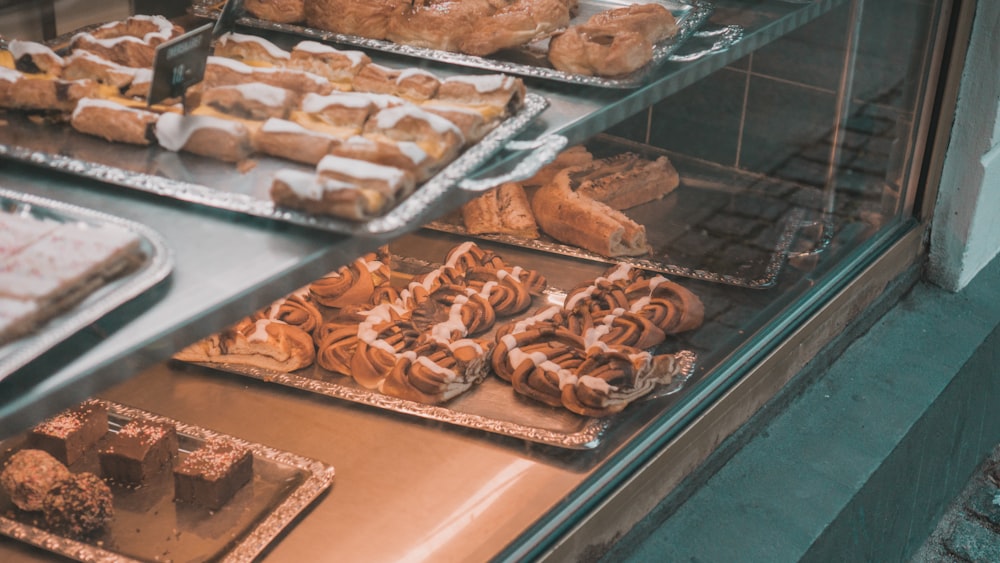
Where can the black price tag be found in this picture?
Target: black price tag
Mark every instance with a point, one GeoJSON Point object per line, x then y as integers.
{"type": "Point", "coordinates": [180, 63]}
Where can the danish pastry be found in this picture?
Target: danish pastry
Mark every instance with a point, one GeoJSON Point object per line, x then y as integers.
{"type": "Point", "coordinates": [114, 122]}
{"type": "Point", "coordinates": [214, 137]}
{"type": "Point", "coordinates": [289, 140]}
{"type": "Point", "coordinates": [250, 49]}
{"type": "Point", "coordinates": [280, 11]}
{"type": "Point", "coordinates": [263, 343]}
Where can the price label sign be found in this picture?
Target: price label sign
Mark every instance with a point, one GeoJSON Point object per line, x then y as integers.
{"type": "Point", "coordinates": [179, 64]}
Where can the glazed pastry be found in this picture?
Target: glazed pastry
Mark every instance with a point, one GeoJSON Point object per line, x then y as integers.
{"type": "Point", "coordinates": [437, 136]}
{"type": "Point", "coordinates": [578, 220]}
{"type": "Point", "coordinates": [469, 121]}
{"type": "Point", "coordinates": [671, 306]}
{"type": "Point", "coordinates": [504, 209]}
{"type": "Point", "coordinates": [131, 42]}
{"type": "Point", "coordinates": [318, 195]}
{"type": "Point", "coordinates": [263, 343]}
{"type": "Point", "coordinates": [250, 48]}
{"type": "Point", "coordinates": [86, 65]}
{"type": "Point", "coordinates": [627, 180]}
{"type": "Point", "coordinates": [35, 92]}
{"type": "Point", "coordinates": [114, 122]}
{"type": "Point", "coordinates": [539, 362]}
{"type": "Point", "coordinates": [289, 140]}
{"type": "Point", "coordinates": [380, 185]}
{"type": "Point", "coordinates": [381, 338]}
{"type": "Point", "coordinates": [364, 19]}
{"type": "Point", "coordinates": [610, 380]}
{"type": "Point", "coordinates": [595, 51]}
{"type": "Point", "coordinates": [297, 310]}
{"type": "Point", "coordinates": [339, 67]}
{"type": "Point", "coordinates": [438, 24]}
{"type": "Point", "coordinates": [515, 24]}
{"type": "Point", "coordinates": [496, 95]}
{"type": "Point", "coordinates": [504, 289]}
{"type": "Point", "coordinates": [344, 112]}
{"type": "Point", "coordinates": [403, 155]}
{"type": "Point", "coordinates": [413, 84]}
{"type": "Point", "coordinates": [215, 137]}
{"type": "Point", "coordinates": [454, 312]}
{"type": "Point", "coordinates": [653, 21]}
{"type": "Point", "coordinates": [353, 284]}
{"type": "Point", "coordinates": [434, 373]}
{"type": "Point", "coordinates": [280, 11]}
{"type": "Point", "coordinates": [222, 71]}
{"type": "Point", "coordinates": [35, 58]}
{"type": "Point", "coordinates": [336, 348]}
{"type": "Point", "coordinates": [252, 100]}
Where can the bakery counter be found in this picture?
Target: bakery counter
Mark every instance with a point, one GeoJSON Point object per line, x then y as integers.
{"type": "Point", "coordinates": [224, 265]}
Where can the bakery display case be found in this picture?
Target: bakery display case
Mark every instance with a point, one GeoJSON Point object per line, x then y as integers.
{"type": "Point", "coordinates": [792, 146]}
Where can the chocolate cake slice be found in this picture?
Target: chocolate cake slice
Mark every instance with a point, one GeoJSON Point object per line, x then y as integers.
{"type": "Point", "coordinates": [138, 452]}
{"type": "Point", "coordinates": [212, 474]}
{"type": "Point", "coordinates": [68, 435]}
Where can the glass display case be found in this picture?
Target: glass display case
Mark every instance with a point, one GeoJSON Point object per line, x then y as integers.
{"type": "Point", "coordinates": [804, 135]}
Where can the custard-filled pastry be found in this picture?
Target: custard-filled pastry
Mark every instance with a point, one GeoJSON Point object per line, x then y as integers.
{"type": "Point", "coordinates": [346, 110]}
{"type": "Point", "coordinates": [262, 343]}
{"type": "Point", "coordinates": [222, 71]}
{"type": "Point", "coordinates": [413, 84]}
{"type": "Point", "coordinates": [399, 154]}
{"type": "Point", "coordinates": [437, 136]}
{"type": "Point", "coordinates": [250, 49]}
{"type": "Point", "coordinates": [37, 92]}
{"type": "Point", "coordinates": [83, 64]}
{"type": "Point", "coordinates": [469, 121]}
{"type": "Point", "coordinates": [35, 58]}
{"type": "Point", "coordinates": [289, 140]}
{"type": "Point", "coordinates": [215, 137]}
{"type": "Point", "coordinates": [337, 66]}
{"type": "Point", "coordinates": [253, 100]}
{"type": "Point", "coordinates": [389, 182]}
{"type": "Point", "coordinates": [280, 11]}
{"type": "Point", "coordinates": [114, 122]}
{"type": "Point", "coordinates": [497, 95]}
{"type": "Point", "coordinates": [131, 42]}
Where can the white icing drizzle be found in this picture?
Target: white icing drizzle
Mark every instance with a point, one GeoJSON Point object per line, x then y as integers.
{"type": "Point", "coordinates": [317, 103]}
{"type": "Point", "coordinates": [449, 375]}
{"type": "Point", "coordinates": [10, 75]}
{"type": "Point", "coordinates": [270, 48]}
{"type": "Point", "coordinates": [412, 151]}
{"type": "Point", "coordinates": [232, 64]}
{"type": "Point", "coordinates": [542, 316]}
{"type": "Point", "coordinates": [597, 384]}
{"type": "Point", "coordinates": [85, 103]}
{"type": "Point", "coordinates": [21, 48]}
{"type": "Point", "coordinates": [458, 252]}
{"type": "Point", "coordinates": [540, 361]}
{"type": "Point", "coordinates": [173, 130]}
{"type": "Point", "coordinates": [277, 125]}
{"type": "Point", "coordinates": [373, 265]}
{"type": "Point", "coordinates": [389, 118]}
{"type": "Point", "coordinates": [466, 343]}
{"type": "Point", "coordinates": [484, 83]}
{"type": "Point", "coordinates": [271, 96]}
{"type": "Point", "coordinates": [360, 169]}
{"type": "Point", "coordinates": [259, 333]}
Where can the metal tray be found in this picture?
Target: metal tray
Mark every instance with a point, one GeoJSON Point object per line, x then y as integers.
{"type": "Point", "coordinates": [530, 60]}
{"type": "Point", "coordinates": [149, 526]}
{"type": "Point", "coordinates": [720, 225]}
{"type": "Point", "coordinates": [217, 184]}
{"type": "Point", "coordinates": [156, 264]}
{"type": "Point", "coordinates": [491, 406]}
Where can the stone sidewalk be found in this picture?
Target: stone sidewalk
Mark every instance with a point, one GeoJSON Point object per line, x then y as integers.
{"type": "Point", "coordinates": [970, 530]}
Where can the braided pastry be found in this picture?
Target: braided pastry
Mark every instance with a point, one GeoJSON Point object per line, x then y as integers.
{"type": "Point", "coordinates": [435, 372]}
{"type": "Point", "coordinates": [297, 309]}
{"type": "Point", "coordinates": [672, 307]}
{"type": "Point", "coordinates": [503, 289]}
{"type": "Point", "coordinates": [379, 344]}
{"type": "Point", "coordinates": [614, 378]}
{"type": "Point", "coordinates": [351, 284]}
{"type": "Point", "coordinates": [336, 347]}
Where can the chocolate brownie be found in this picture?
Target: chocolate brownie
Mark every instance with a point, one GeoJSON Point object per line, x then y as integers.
{"type": "Point", "coordinates": [138, 451]}
{"type": "Point", "coordinates": [212, 474]}
{"type": "Point", "coordinates": [71, 433]}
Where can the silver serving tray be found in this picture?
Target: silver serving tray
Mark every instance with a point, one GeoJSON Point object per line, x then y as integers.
{"type": "Point", "coordinates": [219, 185]}
{"type": "Point", "coordinates": [491, 405]}
{"type": "Point", "coordinates": [707, 198]}
{"type": "Point", "coordinates": [149, 526]}
{"type": "Point", "coordinates": [155, 265]}
{"type": "Point", "coordinates": [530, 60]}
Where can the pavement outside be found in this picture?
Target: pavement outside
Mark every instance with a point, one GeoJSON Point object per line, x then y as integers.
{"type": "Point", "coordinates": [864, 461]}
